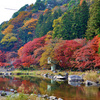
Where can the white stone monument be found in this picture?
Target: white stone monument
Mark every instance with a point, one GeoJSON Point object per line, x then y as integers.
{"type": "Point", "coordinates": [53, 66]}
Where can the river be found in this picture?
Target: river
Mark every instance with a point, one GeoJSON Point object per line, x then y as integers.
{"type": "Point", "coordinates": [60, 89]}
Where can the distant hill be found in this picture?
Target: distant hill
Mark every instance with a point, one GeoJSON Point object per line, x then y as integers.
{"type": "Point", "coordinates": [36, 20]}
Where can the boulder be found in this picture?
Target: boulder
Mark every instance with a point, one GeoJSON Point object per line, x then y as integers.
{"type": "Point", "coordinates": [15, 91]}
{"type": "Point", "coordinates": [90, 83]}
{"type": "Point", "coordinates": [3, 94]}
{"type": "Point", "coordinates": [44, 96]}
{"type": "Point", "coordinates": [60, 99]}
{"type": "Point", "coordinates": [53, 98]}
{"type": "Point", "coordinates": [98, 72]}
{"type": "Point", "coordinates": [39, 95]}
{"type": "Point", "coordinates": [12, 90]}
{"type": "Point", "coordinates": [45, 75]}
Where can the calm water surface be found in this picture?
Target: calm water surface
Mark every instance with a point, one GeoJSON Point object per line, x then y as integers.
{"type": "Point", "coordinates": [60, 89]}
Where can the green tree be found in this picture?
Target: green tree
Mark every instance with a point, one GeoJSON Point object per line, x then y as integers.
{"type": "Point", "coordinates": [39, 5]}
{"type": "Point", "coordinates": [72, 24]}
{"type": "Point", "coordinates": [62, 26]}
{"type": "Point", "coordinates": [40, 20]}
{"type": "Point", "coordinates": [24, 36]}
{"type": "Point", "coordinates": [84, 15]}
{"type": "Point", "coordinates": [52, 3]}
{"type": "Point", "coordinates": [45, 22]}
{"type": "Point", "coordinates": [93, 27]}
{"type": "Point", "coordinates": [80, 18]}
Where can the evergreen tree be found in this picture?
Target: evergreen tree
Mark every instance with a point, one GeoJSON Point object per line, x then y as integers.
{"type": "Point", "coordinates": [62, 26]}
{"type": "Point", "coordinates": [39, 5]}
{"type": "Point", "coordinates": [40, 20]}
{"type": "Point", "coordinates": [80, 18]}
{"type": "Point", "coordinates": [84, 15]}
{"type": "Point", "coordinates": [93, 28]}
{"type": "Point", "coordinates": [72, 24]}
{"type": "Point", "coordinates": [45, 22]}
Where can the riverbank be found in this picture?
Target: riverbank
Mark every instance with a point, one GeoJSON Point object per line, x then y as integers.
{"type": "Point", "coordinates": [22, 97]}
{"type": "Point", "coordinates": [2, 98]}
{"type": "Point", "coordinates": [89, 75]}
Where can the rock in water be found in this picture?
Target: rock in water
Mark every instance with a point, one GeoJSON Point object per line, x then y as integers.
{"type": "Point", "coordinates": [3, 94]}
{"type": "Point", "coordinates": [90, 83]}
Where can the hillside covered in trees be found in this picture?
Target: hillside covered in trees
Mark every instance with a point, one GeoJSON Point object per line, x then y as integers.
{"type": "Point", "coordinates": [67, 31]}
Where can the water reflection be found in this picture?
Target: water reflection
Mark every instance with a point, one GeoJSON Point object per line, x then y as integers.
{"type": "Point", "coordinates": [60, 89]}
{"type": "Point", "coordinates": [75, 83]}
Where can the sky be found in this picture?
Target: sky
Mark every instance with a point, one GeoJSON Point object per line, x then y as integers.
{"type": "Point", "coordinates": [6, 5]}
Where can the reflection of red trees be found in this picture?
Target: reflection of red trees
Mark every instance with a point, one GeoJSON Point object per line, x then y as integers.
{"type": "Point", "coordinates": [4, 83]}
{"type": "Point", "coordinates": [3, 79]}
{"type": "Point", "coordinates": [26, 87]}
{"type": "Point", "coordinates": [15, 83]}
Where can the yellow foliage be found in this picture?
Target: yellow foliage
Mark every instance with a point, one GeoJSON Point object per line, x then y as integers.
{"type": "Point", "coordinates": [29, 32]}
{"type": "Point", "coordinates": [56, 22]}
{"type": "Point", "coordinates": [8, 29]}
{"type": "Point", "coordinates": [20, 51]}
{"type": "Point", "coordinates": [49, 36]}
{"type": "Point", "coordinates": [30, 24]}
{"type": "Point", "coordinates": [12, 39]}
{"type": "Point", "coordinates": [4, 41]}
{"type": "Point", "coordinates": [50, 33]}
{"type": "Point", "coordinates": [49, 51]}
{"type": "Point", "coordinates": [8, 38]}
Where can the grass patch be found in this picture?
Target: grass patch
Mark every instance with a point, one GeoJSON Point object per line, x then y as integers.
{"type": "Point", "coordinates": [22, 96]}
{"type": "Point", "coordinates": [89, 75]}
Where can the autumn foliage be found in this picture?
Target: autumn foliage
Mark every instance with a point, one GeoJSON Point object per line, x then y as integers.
{"type": "Point", "coordinates": [3, 61]}
{"type": "Point", "coordinates": [17, 21]}
{"type": "Point", "coordinates": [68, 54]}
{"type": "Point", "coordinates": [81, 1]}
{"type": "Point", "coordinates": [30, 24]}
{"type": "Point", "coordinates": [28, 52]}
{"type": "Point", "coordinates": [64, 52]}
{"type": "Point", "coordinates": [8, 29]}
{"type": "Point", "coordinates": [87, 57]}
